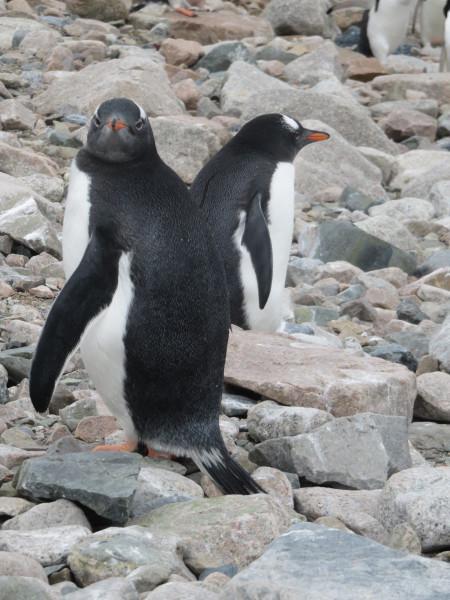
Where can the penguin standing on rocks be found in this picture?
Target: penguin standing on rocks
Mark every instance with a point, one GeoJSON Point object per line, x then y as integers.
{"type": "Point", "coordinates": [246, 193]}
{"type": "Point", "coordinates": [432, 21]}
{"type": "Point", "coordinates": [384, 27]}
{"type": "Point", "coordinates": [146, 298]}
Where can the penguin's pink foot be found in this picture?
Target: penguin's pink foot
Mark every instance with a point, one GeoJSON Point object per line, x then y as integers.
{"type": "Point", "coordinates": [156, 454]}
{"type": "Point", "coordinates": [186, 12]}
{"type": "Point", "coordinates": [125, 447]}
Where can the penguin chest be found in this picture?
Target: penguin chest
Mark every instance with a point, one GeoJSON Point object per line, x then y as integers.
{"type": "Point", "coordinates": [388, 26]}
{"type": "Point", "coordinates": [432, 22]}
{"type": "Point", "coordinates": [76, 220]}
{"type": "Point", "coordinates": [280, 220]}
{"type": "Point", "coordinates": [103, 347]}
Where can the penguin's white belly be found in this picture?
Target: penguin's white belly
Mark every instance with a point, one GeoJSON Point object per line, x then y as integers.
{"type": "Point", "coordinates": [103, 348]}
{"type": "Point", "coordinates": [281, 226]}
{"type": "Point", "coordinates": [76, 220]}
{"type": "Point", "coordinates": [446, 49]}
{"type": "Point", "coordinates": [432, 22]}
{"type": "Point", "coordinates": [388, 26]}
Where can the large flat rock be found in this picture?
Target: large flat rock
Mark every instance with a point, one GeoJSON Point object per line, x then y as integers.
{"type": "Point", "coordinates": [105, 482]}
{"type": "Point", "coordinates": [339, 381]}
{"type": "Point", "coordinates": [311, 562]}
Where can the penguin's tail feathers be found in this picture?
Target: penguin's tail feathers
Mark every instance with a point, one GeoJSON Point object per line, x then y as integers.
{"type": "Point", "coordinates": [226, 473]}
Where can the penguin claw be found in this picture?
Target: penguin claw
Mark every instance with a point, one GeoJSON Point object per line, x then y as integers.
{"type": "Point", "coordinates": [186, 12]}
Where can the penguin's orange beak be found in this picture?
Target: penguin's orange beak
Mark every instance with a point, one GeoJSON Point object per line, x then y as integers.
{"type": "Point", "coordinates": [116, 124]}
{"type": "Point", "coordinates": [317, 136]}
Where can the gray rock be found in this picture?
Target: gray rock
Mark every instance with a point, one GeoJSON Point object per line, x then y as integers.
{"type": "Point", "coordinates": [137, 77]}
{"type": "Point", "coordinates": [357, 509]}
{"type": "Point", "coordinates": [222, 55]}
{"type": "Point", "coordinates": [113, 588]}
{"type": "Point", "coordinates": [51, 514]}
{"type": "Point", "coordinates": [356, 200]}
{"type": "Point", "coordinates": [15, 564]}
{"type": "Point", "coordinates": [116, 552]}
{"type": "Point", "coordinates": [302, 270]}
{"type": "Point", "coordinates": [4, 394]}
{"type": "Point", "coordinates": [391, 231]}
{"type": "Point", "coordinates": [207, 527]}
{"type": "Point", "coordinates": [11, 507]}
{"type": "Point", "coordinates": [47, 546]}
{"type": "Point", "coordinates": [236, 406]}
{"type": "Point", "coordinates": [306, 17]}
{"type": "Point", "coordinates": [174, 135]}
{"type": "Point", "coordinates": [24, 588]}
{"type": "Point", "coordinates": [409, 310]}
{"type": "Point", "coordinates": [405, 209]}
{"type": "Point", "coordinates": [14, 115]}
{"type": "Point", "coordinates": [10, 25]}
{"type": "Point", "coordinates": [344, 115]}
{"type": "Point", "coordinates": [395, 353]}
{"type": "Point", "coordinates": [294, 560]}
{"type": "Point", "coordinates": [313, 67]}
{"type": "Point", "coordinates": [269, 420]}
{"type": "Point", "coordinates": [178, 590]}
{"type": "Point", "coordinates": [435, 85]}
{"type": "Point", "coordinates": [358, 452]}
{"type": "Point", "coordinates": [158, 486]}
{"type": "Point", "coordinates": [25, 217]}
{"type": "Point", "coordinates": [242, 82]}
{"type": "Point", "coordinates": [432, 440]}
{"type": "Point", "coordinates": [428, 106]}
{"type": "Point", "coordinates": [414, 341]}
{"type": "Point", "coordinates": [440, 198]}
{"type": "Point", "coordinates": [433, 401]}
{"type": "Point", "coordinates": [276, 483]}
{"type": "Point", "coordinates": [340, 240]}
{"type": "Point", "coordinates": [403, 537]}
{"type": "Point", "coordinates": [74, 413]}
{"type": "Point", "coordinates": [85, 478]}
{"type": "Point", "coordinates": [419, 497]}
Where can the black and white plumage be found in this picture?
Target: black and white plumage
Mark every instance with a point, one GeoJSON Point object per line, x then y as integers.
{"type": "Point", "coordinates": [246, 193]}
{"type": "Point", "coordinates": [432, 21]}
{"type": "Point", "coordinates": [384, 27]}
{"type": "Point", "coordinates": [146, 298]}
{"type": "Point", "coordinates": [445, 56]}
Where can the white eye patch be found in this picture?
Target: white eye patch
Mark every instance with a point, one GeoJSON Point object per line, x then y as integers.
{"type": "Point", "coordinates": [291, 123]}
{"type": "Point", "coordinates": [141, 111]}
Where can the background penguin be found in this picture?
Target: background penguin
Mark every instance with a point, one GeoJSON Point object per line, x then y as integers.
{"type": "Point", "coordinates": [445, 56]}
{"type": "Point", "coordinates": [146, 295]}
{"type": "Point", "coordinates": [246, 192]}
{"type": "Point", "coordinates": [384, 27]}
{"type": "Point", "coordinates": [432, 21]}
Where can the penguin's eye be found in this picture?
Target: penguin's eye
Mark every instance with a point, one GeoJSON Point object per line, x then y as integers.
{"type": "Point", "coordinates": [97, 121]}
{"type": "Point", "coordinates": [139, 125]}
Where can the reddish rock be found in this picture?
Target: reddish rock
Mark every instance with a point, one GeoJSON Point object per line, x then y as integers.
{"type": "Point", "coordinates": [210, 28]}
{"type": "Point", "coordinates": [360, 67]}
{"type": "Point", "coordinates": [42, 291]}
{"type": "Point", "coordinates": [96, 428]}
{"type": "Point", "coordinates": [181, 52]}
{"type": "Point", "coordinates": [399, 125]}
{"type": "Point", "coordinates": [188, 93]}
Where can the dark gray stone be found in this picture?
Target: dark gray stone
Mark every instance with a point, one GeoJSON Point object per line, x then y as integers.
{"type": "Point", "coordinates": [222, 55]}
{"type": "Point", "coordinates": [436, 261]}
{"type": "Point", "coordinates": [443, 126]}
{"type": "Point", "coordinates": [409, 310]}
{"type": "Point", "coordinates": [353, 292]}
{"type": "Point", "coordinates": [349, 38]}
{"type": "Point", "coordinates": [320, 315]}
{"type": "Point", "coordinates": [432, 440]}
{"type": "Point", "coordinates": [24, 588]}
{"type": "Point", "coordinates": [17, 361]}
{"type": "Point", "coordinates": [356, 200]}
{"type": "Point", "coordinates": [302, 270]}
{"type": "Point", "coordinates": [4, 395]}
{"type": "Point", "coordinates": [272, 53]}
{"type": "Point", "coordinates": [105, 482]}
{"type": "Point", "coordinates": [393, 353]}
{"type": "Point", "coordinates": [341, 240]}
{"type": "Point", "coordinates": [360, 309]}
{"type": "Point", "coordinates": [416, 342]}
{"type": "Point", "coordinates": [332, 565]}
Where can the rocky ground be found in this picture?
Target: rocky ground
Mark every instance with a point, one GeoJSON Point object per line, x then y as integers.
{"type": "Point", "coordinates": [322, 418]}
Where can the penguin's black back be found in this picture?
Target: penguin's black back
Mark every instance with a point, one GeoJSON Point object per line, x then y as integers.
{"type": "Point", "coordinates": [223, 189]}
{"type": "Point", "coordinates": [178, 322]}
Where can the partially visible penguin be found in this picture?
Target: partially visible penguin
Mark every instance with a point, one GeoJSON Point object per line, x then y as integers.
{"type": "Point", "coordinates": [246, 192]}
{"type": "Point", "coordinates": [432, 22]}
{"type": "Point", "coordinates": [384, 27]}
{"type": "Point", "coordinates": [445, 56]}
{"type": "Point", "coordinates": [146, 297]}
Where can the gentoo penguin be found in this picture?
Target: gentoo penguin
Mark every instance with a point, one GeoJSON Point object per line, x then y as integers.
{"type": "Point", "coordinates": [445, 56]}
{"type": "Point", "coordinates": [384, 27]}
{"type": "Point", "coordinates": [146, 298]}
{"type": "Point", "coordinates": [246, 193]}
{"type": "Point", "coordinates": [432, 21]}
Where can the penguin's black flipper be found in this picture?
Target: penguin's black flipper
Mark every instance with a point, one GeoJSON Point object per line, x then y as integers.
{"type": "Point", "coordinates": [257, 240]}
{"type": "Point", "coordinates": [89, 289]}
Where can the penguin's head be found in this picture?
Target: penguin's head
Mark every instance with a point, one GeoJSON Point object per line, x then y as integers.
{"type": "Point", "coordinates": [279, 135]}
{"type": "Point", "coordinates": [119, 131]}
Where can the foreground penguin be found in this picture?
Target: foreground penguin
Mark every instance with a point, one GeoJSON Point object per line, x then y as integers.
{"type": "Point", "coordinates": [384, 27]}
{"type": "Point", "coordinates": [146, 297]}
{"type": "Point", "coordinates": [246, 193]}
